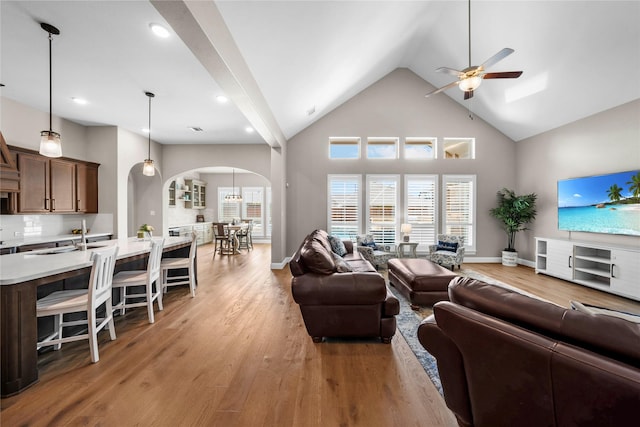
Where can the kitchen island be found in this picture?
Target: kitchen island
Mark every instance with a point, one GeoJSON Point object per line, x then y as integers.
{"type": "Point", "coordinates": [26, 276]}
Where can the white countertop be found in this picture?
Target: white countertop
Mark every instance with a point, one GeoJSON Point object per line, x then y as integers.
{"type": "Point", "coordinates": [14, 243]}
{"type": "Point", "coordinates": [25, 266]}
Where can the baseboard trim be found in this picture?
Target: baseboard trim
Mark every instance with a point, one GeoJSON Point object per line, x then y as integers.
{"type": "Point", "coordinates": [280, 265]}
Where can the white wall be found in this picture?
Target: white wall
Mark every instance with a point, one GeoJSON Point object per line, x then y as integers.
{"type": "Point", "coordinates": [396, 106]}
{"type": "Point", "coordinates": [604, 143]}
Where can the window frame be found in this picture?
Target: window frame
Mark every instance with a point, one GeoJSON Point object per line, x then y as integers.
{"type": "Point", "coordinates": [346, 141]}
{"type": "Point", "coordinates": [370, 178]}
{"type": "Point", "coordinates": [355, 179]}
{"type": "Point", "coordinates": [423, 245]}
{"type": "Point", "coordinates": [416, 140]}
{"type": "Point", "coordinates": [470, 242]}
{"type": "Point", "coordinates": [384, 141]}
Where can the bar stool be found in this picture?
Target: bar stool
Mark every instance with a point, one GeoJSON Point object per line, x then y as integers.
{"type": "Point", "coordinates": [128, 278]}
{"type": "Point", "coordinates": [88, 300]}
{"type": "Point", "coordinates": [168, 264]}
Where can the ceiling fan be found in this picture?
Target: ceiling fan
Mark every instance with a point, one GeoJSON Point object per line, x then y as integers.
{"type": "Point", "coordinates": [470, 78]}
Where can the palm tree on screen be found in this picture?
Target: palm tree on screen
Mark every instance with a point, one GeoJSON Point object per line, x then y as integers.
{"type": "Point", "coordinates": [615, 193]}
{"type": "Point", "coordinates": [634, 185]}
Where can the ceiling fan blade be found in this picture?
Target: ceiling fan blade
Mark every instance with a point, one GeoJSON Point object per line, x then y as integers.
{"type": "Point", "coordinates": [442, 89]}
{"type": "Point", "coordinates": [497, 57]}
{"type": "Point", "coordinates": [503, 75]}
{"type": "Point", "coordinates": [450, 71]}
{"type": "Point", "coordinates": [468, 94]}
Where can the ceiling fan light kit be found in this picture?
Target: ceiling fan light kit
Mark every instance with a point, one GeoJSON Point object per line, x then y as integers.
{"type": "Point", "coordinates": [50, 144]}
{"type": "Point", "coordinates": [471, 77]}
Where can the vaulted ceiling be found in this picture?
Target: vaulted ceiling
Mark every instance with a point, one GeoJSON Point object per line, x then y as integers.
{"type": "Point", "coordinates": [285, 64]}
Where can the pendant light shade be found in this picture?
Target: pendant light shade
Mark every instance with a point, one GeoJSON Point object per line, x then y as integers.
{"type": "Point", "coordinates": [149, 169]}
{"type": "Point", "coordinates": [233, 197]}
{"type": "Point", "coordinates": [50, 144]}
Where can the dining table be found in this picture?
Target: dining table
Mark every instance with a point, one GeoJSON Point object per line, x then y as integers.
{"type": "Point", "coordinates": [232, 230]}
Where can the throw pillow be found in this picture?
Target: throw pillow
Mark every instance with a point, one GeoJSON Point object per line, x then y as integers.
{"type": "Point", "coordinates": [447, 246]}
{"type": "Point", "coordinates": [337, 246]}
{"type": "Point", "coordinates": [342, 266]}
{"type": "Point", "coordinates": [371, 245]}
{"type": "Point", "coordinates": [592, 309]}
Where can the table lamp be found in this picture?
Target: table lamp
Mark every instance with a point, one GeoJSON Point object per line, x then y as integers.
{"type": "Point", "coordinates": [405, 229]}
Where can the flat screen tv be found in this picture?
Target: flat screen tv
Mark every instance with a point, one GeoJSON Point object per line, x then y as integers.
{"type": "Point", "coordinates": [601, 204]}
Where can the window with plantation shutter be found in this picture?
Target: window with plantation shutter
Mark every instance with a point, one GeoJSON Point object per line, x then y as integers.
{"type": "Point", "coordinates": [344, 205]}
{"type": "Point", "coordinates": [252, 208]}
{"type": "Point", "coordinates": [420, 208]}
{"type": "Point", "coordinates": [382, 207]}
{"type": "Point", "coordinates": [344, 148]}
{"type": "Point", "coordinates": [460, 207]}
{"type": "Point", "coordinates": [227, 211]}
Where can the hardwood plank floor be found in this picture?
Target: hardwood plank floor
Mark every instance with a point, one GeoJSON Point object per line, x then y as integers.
{"type": "Point", "coordinates": [238, 355]}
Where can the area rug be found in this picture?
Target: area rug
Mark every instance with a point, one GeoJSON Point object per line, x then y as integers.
{"type": "Point", "coordinates": [409, 319]}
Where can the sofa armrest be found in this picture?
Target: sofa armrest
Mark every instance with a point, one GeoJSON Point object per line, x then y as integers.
{"type": "Point", "coordinates": [339, 289]}
{"type": "Point", "coordinates": [433, 248]}
{"type": "Point", "coordinates": [450, 367]}
{"type": "Point", "coordinates": [391, 305]}
{"type": "Point", "coordinates": [367, 253]}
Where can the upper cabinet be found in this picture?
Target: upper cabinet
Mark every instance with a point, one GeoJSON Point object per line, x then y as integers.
{"type": "Point", "coordinates": [56, 185]}
{"type": "Point", "coordinates": [172, 194]}
{"type": "Point", "coordinates": [195, 196]}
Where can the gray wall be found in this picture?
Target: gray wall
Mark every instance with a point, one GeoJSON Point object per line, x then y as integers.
{"type": "Point", "coordinates": [604, 143]}
{"type": "Point", "coordinates": [396, 106]}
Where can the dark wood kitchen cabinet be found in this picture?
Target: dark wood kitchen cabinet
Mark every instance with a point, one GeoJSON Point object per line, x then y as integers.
{"type": "Point", "coordinates": [56, 185]}
{"type": "Point", "coordinates": [87, 187]}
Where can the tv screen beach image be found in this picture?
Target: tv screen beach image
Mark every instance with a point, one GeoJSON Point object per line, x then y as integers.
{"type": "Point", "coordinates": [601, 204]}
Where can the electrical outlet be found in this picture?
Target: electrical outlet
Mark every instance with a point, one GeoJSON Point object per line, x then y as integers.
{"type": "Point", "coordinates": [152, 213]}
{"type": "Point", "coordinates": [17, 234]}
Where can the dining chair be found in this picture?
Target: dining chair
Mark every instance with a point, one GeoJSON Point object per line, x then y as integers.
{"type": "Point", "coordinates": [220, 235]}
{"type": "Point", "coordinates": [244, 236]}
{"type": "Point", "coordinates": [88, 300]}
{"type": "Point", "coordinates": [168, 264]}
{"type": "Point", "coordinates": [129, 278]}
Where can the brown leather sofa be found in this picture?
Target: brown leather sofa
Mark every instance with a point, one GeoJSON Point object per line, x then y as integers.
{"type": "Point", "coordinates": [508, 359]}
{"type": "Point", "coordinates": [352, 303]}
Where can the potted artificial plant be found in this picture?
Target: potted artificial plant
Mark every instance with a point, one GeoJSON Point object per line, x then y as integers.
{"type": "Point", "coordinates": [514, 212]}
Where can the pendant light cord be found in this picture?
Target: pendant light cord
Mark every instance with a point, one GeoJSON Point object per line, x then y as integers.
{"type": "Point", "coordinates": [469, 33]}
{"type": "Point", "coordinates": [50, 88]}
{"type": "Point", "coordinates": [149, 145]}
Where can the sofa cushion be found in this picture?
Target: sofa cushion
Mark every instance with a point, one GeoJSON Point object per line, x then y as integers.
{"type": "Point", "coordinates": [337, 246]}
{"type": "Point", "coordinates": [316, 257]}
{"type": "Point", "coordinates": [342, 266]}
{"type": "Point", "coordinates": [361, 265]}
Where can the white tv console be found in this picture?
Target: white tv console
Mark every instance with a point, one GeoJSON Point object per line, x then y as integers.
{"type": "Point", "coordinates": [613, 269]}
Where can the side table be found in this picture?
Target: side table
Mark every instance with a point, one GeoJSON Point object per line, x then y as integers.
{"type": "Point", "coordinates": [401, 252]}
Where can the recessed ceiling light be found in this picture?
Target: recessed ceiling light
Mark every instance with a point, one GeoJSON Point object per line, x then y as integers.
{"type": "Point", "coordinates": [159, 30]}
{"type": "Point", "coordinates": [249, 129]}
{"type": "Point", "coordinates": [222, 99]}
{"type": "Point", "coordinates": [79, 101]}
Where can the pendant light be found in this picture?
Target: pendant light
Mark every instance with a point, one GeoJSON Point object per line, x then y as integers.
{"type": "Point", "coordinates": [50, 144]}
{"type": "Point", "coordinates": [233, 197]}
{"type": "Point", "coordinates": [148, 169]}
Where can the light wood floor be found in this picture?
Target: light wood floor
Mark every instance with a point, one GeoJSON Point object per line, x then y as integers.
{"type": "Point", "coordinates": [238, 355]}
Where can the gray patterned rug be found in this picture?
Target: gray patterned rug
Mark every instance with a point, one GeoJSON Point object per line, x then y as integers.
{"type": "Point", "coordinates": [408, 321]}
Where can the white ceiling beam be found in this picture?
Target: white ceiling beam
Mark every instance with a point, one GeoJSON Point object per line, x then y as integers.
{"type": "Point", "coordinates": [201, 27]}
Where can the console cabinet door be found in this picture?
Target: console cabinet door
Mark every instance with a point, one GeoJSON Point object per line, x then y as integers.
{"type": "Point", "coordinates": [625, 272]}
{"type": "Point", "coordinates": [63, 186]}
{"type": "Point", "coordinates": [560, 259]}
{"type": "Point", "coordinates": [34, 196]}
{"type": "Point", "coordinates": [87, 188]}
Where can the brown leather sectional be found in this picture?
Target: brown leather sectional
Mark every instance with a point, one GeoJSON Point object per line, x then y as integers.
{"type": "Point", "coordinates": [508, 359]}
{"type": "Point", "coordinates": [356, 303]}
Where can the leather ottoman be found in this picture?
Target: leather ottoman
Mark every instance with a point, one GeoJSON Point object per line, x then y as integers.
{"type": "Point", "coordinates": [421, 281]}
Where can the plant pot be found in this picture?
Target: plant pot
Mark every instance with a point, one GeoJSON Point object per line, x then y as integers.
{"type": "Point", "coordinates": [509, 259]}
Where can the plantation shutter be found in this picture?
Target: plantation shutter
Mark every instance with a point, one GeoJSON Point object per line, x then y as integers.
{"type": "Point", "coordinates": [459, 211]}
{"type": "Point", "coordinates": [382, 208]}
{"type": "Point", "coordinates": [344, 205]}
{"type": "Point", "coordinates": [252, 199]}
{"type": "Point", "coordinates": [421, 210]}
